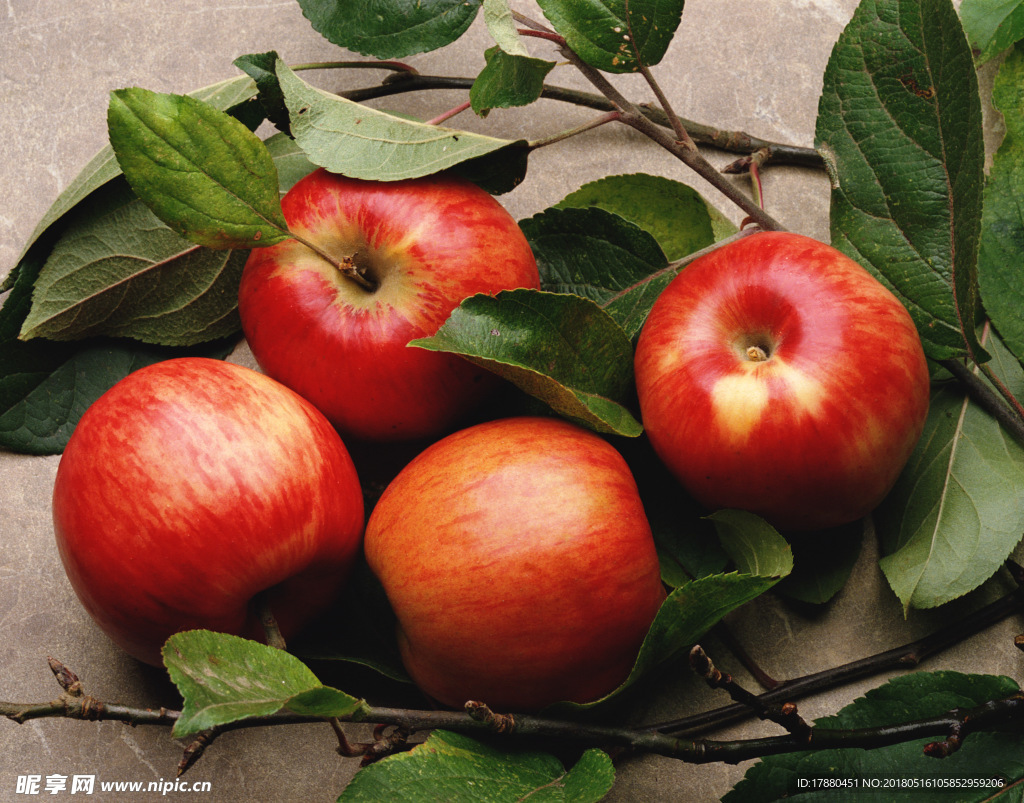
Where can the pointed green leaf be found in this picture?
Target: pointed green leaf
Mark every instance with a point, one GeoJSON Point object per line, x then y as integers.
{"type": "Point", "coordinates": [459, 769]}
{"type": "Point", "coordinates": [508, 81]}
{"type": "Point", "coordinates": [600, 256]}
{"type": "Point", "coordinates": [992, 26]}
{"type": "Point", "coordinates": [1001, 258]}
{"type": "Point", "coordinates": [225, 678]}
{"type": "Point", "coordinates": [754, 545]}
{"type": "Point", "coordinates": [502, 26]}
{"type": "Point", "coordinates": [354, 140]}
{"type": "Point", "coordinates": [899, 126]}
{"type": "Point", "coordinates": [390, 29]}
{"type": "Point", "coordinates": [563, 349]}
{"type": "Point", "coordinates": [200, 170]}
{"type": "Point", "coordinates": [262, 68]}
{"type": "Point", "coordinates": [616, 35]}
{"type": "Point", "coordinates": [902, 771]}
{"type": "Point", "coordinates": [957, 510]}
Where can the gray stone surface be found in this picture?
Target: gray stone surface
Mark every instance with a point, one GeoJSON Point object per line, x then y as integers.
{"type": "Point", "coordinates": [755, 66]}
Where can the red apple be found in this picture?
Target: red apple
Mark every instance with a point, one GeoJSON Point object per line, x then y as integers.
{"type": "Point", "coordinates": [192, 486]}
{"type": "Point", "coordinates": [520, 564]}
{"type": "Point", "coordinates": [423, 246]}
{"type": "Point", "coordinates": [777, 375]}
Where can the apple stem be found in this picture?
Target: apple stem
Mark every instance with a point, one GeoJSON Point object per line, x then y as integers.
{"type": "Point", "coordinates": [756, 354]}
{"type": "Point", "coordinates": [346, 266]}
{"type": "Point", "coordinates": [271, 629]}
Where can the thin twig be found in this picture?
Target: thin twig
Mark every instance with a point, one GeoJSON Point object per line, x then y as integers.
{"type": "Point", "coordinates": [905, 657]}
{"type": "Point", "coordinates": [986, 398]}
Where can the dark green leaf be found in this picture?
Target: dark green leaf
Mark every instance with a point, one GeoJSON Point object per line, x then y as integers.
{"type": "Point", "coordinates": [1001, 259]}
{"type": "Point", "coordinates": [899, 125]}
{"type": "Point", "coordinates": [122, 273]}
{"type": "Point", "coordinates": [46, 387]}
{"type": "Point", "coordinates": [508, 81]}
{"type": "Point", "coordinates": [454, 768]}
{"type": "Point", "coordinates": [676, 215]}
{"type": "Point", "coordinates": [600, 256]}
{"type": "Point", "coordinates": [262, 68]}
{"type": "Point", "coordinates": [698, 605]}
{"type": "Point", "coordinates": [562, 349]}
{"type": "Point", "coordinates": [200, 170]}
{"type": "Point", "coordinates": [822, 563]}
{"type": "Point", "coordinates": [608, 37]}
{"type": "Point", "coordinates": [225, 678]}
{"type": "Point", "coordinates": [390, 29]}
{"type": "Point", "coordinates": [118, 271]}
{"type": "Point", "coordinates": [957, 510]}
{"type": "Point", "coordinates": [503, 27]}
{"type": "Point", "coordinates": [354, 140]}
{"type": "Point", "coordinates": [992, 26]}
{"type": "Point", "coordinates": [903, 767]}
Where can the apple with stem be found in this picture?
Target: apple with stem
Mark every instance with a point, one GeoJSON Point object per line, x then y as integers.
{"type": "Point", "coordinates": [194, 489]}
{"type": "Point", "coordinates": [777, 375]}
{"type": "Point", "coordinates": [392, 260]}
{"type": "Point", "coordinates": [520, 565]}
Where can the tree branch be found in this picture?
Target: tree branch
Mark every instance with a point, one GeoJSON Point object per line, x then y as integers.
{"type": "Point", "coordinates": [907, 656]}
{"type": "Point", "coordinates": [731, 141]}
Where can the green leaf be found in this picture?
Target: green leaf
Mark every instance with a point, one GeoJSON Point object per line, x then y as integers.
{"type": "Point", "coordinates": [225, 678]}
{"type": "Point", "coordinates": [904, 699]}
{"type": "Point", "coordinates": [754, 545]}
{"type": "Point", "coordinates": [502, 26]}
{"type": "Point", "coordinates": [200, 170]}
{"type": "Point", "coordinates": [354, 140]}
{"type": "Point", "coordinates": [600, 256]}
{"type": "Point", "coordinates": [992, 26]}
{"type": "Point", "coordinates": [390, 29]}
{"type": "Point", "coordinates": [692, 609]}
{"type": "Point", "coordinates": [262, 68]}
{"type": "Point", "coordinates": [118, 271]}
{"type": "Point", "coordinates": [453, 768]}
{"type": "Point", "coordinates": [1002, 241]}
{"type": "Point", "coordinates": [676, 215]}
{"type": "Point", "coordinates": [899, 126]}
{"type": "Point", "coordinates": [957, 510]}
{"type": "Point", "coordinates": [822, 563]}
{"type": "Point", "coordinates": [562, 349]}
{"type": "Point", "coordinates": [608, 37]}
{"type": "Point", "coordinates": [229, 96]}
{"type": "Point", "coordinates": [508, 81]}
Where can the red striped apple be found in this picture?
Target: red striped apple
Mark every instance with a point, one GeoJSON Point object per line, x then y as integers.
{"type": "Point", "coordinates": [520, 564]}
{"type": "Point", "coordinates": [420, 247]}
{"type": "Point", "coordinates": [778, 376]}
{"type": "Point", "coordinates": [191, 487]}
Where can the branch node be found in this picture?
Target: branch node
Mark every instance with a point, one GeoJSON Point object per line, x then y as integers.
{"type": "Point", "coordinates": [481, 712]}
{"type": "Point", "coordinates": [384, 743]}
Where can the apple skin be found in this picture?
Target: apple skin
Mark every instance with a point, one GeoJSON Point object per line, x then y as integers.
{"type": "Point", "coordinates": [520, 565]}
{"type": "Point", "coordinates": [815, 435]}
{"type": "Point", "coordinates": [428, 244]}
{"type": "Point", "coordinates": [192, 485]}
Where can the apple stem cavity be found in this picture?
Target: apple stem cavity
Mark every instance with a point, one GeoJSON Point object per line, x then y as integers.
{"type": "Point", "coordinates": [346, 266]}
